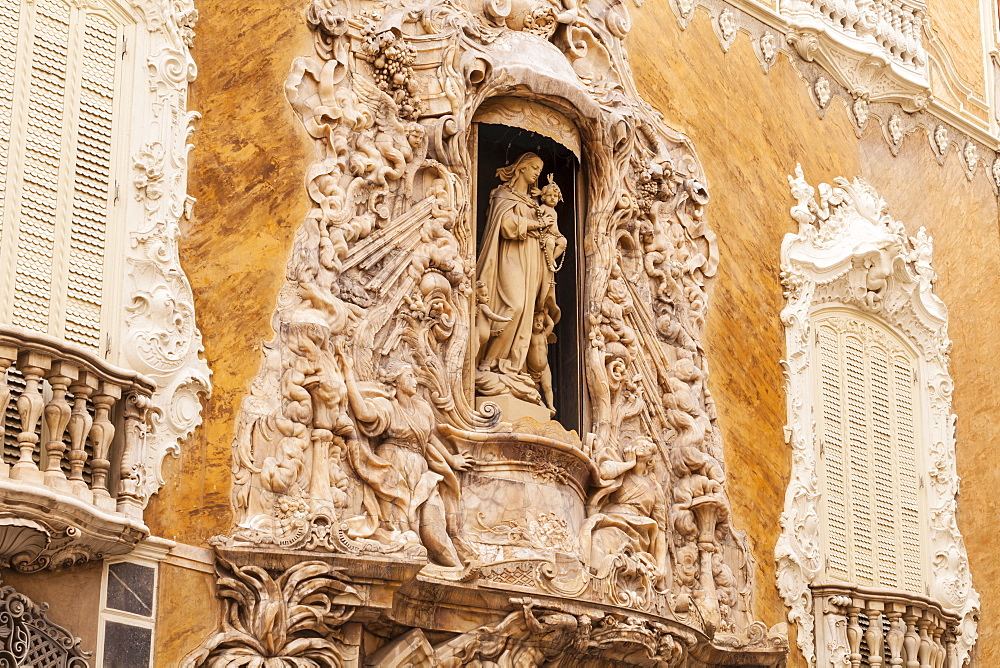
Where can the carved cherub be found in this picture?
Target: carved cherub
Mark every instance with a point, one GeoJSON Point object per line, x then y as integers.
{"type": "Point", "coordinates": [553, 241]}
{"type": "Point", "coordinates": [488, 323]}
{"type": "Point", "coordinates": [538, 355]}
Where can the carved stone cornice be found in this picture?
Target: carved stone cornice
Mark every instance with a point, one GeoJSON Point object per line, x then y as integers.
{"type": "Point", "coordinates": [844, 239]}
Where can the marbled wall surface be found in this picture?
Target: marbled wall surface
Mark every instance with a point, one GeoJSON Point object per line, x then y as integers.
{"type": "Point", "coordinates": [749, 130]}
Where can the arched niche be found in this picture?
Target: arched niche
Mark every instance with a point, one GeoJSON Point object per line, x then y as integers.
{"type": "Point", "coordinates": [503, 130]}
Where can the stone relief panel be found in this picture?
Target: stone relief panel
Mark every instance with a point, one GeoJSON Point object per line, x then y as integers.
{"type": "Point", "coordinates": [850, 252]}
{"type": "Point", "coordinates": [381, 434]}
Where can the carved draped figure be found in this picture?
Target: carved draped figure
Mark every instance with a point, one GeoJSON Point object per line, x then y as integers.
{"type": "Point", "coordinates": [512, 264]}
{"type": "Point", "coordinates": [405, 471]}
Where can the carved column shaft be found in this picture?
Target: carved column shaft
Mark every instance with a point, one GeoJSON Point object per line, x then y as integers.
{"type": "Point", "coordinates": [57, 414]}
{"type": "Point", "coordinates": [101, 434]}
{"type": "Point", "coordinates": [854, 632]}
{"type": "Point", "coordinates": [895, 636]}
{"type": "Point", "coordinates": [8, 355]}
{"type": "Point", "coordinates": [80, 422]}
{"type": "Point", "coordinates": [129, 494]}
{"type": "Point", "coordinates": [29, 407]}
{"type": "Point", "coordinates": [874, 633]}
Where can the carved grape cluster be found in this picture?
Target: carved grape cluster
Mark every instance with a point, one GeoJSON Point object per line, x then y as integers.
{"type": "Point", "coordinates": [392, 60]}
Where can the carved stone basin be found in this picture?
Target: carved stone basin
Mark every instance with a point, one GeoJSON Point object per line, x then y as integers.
{"type": "Point", "coordinates": [524, 497]}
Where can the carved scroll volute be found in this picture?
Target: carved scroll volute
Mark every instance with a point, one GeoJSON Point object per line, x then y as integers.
{"type": "Point", "coordinates": [8, 355]}
{"type": "Point", "coordinates": [57, 414]}
{"type": "Point", "coordinates": [101, 434]}
{"type": "Point", "coordinates": [129, 492]}
{"type": "Point", "coordinates": [29, 407]}
{"type": "Point", "coordinates": [80, 422]}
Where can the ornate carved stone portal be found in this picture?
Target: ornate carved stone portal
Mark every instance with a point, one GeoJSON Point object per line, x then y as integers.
{"type": "Point", "coordinates": [398, 439]}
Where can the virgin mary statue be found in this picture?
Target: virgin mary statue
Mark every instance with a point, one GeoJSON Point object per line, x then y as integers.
{"type": "Point", "coordinates": [513, 267]}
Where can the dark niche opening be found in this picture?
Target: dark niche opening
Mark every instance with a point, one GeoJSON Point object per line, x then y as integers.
{"type": "Point", "coordinates": [499, 146]}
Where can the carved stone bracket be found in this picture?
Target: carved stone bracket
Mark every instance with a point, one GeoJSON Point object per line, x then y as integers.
{"type": "Point", "coordinates": [849, 252]}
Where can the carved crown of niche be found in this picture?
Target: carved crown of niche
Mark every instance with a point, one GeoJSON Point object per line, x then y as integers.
{"type": "Point", "coordinates": [873, 47]}
{"type": "Point", "coordinates": [360, 442]}
{"type": "Point", "coordinates": [852, 264]}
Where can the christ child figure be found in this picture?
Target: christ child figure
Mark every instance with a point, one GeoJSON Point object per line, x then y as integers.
{"type": "Point", "coordinates": [553, 241]}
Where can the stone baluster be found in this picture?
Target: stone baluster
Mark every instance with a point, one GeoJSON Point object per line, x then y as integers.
{"type": "Point", "coordinates": [938, 653]}
{"type": "Point", "coordinates": [8, 355]}
{"type": "Point", "coordinates": [924, 653]}
{"type": "Point", "coordinates": [29, 407]}
{"type": "Point", "coordinates": [854, 632]}
{"type": "Point", "coordinates": [80, 422]}
{"type": "Point", "coordinates": [101, 434]}
{"type": "Point", "coordinates": [57, 413]}
{"type": "Point", "coordinates": [874, 634]}
{"type": "Point", "coordinates": [129, 492]}
{"type": "Point", "coordinates": [911, 640]}
{"type": "Point", "coordinates": [894, 639]}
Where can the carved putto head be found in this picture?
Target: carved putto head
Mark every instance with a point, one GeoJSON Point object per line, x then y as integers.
{"type": "Point", "coordinates": [551, 194]}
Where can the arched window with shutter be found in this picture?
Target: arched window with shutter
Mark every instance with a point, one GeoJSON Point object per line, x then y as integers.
{"type": "Point", "coordinates": [870, 561]}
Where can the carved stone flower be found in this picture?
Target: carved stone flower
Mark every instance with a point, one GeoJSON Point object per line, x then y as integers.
{"type": "Point", "coordinates": [823, 92]}
{"type": "Point", "coordinates": [541, 21]}
{"type": "Point", "coordinates": [896, 129]}
{"type": "Point", "coordinates": [941, 139]}
{"type": "Point", "coordinates": [148, 165]}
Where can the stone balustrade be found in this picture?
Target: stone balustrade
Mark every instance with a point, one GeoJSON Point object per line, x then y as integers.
{"type": "Point", "coordinates": [875, 628]}
{"type": "Point", "coordinates": [894, 25]}
{"type": "Point", "coordinates": [73, 491]}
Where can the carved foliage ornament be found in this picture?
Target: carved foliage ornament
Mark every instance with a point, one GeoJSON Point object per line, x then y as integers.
{"type": "Point", "coordinates": [360, 434]}
{"type": "Point", "coordinates": [159, 336]}
{"type": "Point", "coordinates": [849, 252]}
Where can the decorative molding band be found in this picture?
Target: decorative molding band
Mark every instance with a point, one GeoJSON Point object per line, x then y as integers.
{"type": "Point", "coordinates": [850, 253]}
{"type": "Point", "coordinates": [906, 106]}
{"type": "Point", "coordinates": [159, 337]}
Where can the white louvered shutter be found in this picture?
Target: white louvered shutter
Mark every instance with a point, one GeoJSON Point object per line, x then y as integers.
{"type": "Point", "coordinates": [61, 67]}
{"type": "Point", "coordinates": [869, 485]}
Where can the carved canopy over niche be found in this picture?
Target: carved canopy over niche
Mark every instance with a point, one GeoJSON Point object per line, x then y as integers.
{"type": "Point", "coordinates": [360, 442]}
{"type": "Point", "coordinates": [851, 257]}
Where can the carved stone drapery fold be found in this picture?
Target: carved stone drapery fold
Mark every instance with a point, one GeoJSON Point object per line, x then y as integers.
{"type": "Point", "coordinates": [850, 252]}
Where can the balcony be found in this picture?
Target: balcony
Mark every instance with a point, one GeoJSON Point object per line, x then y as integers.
{"type": "Point", "coordinates": [74, 435]}
{"type": "Point", "coordinates": [874, 48]}
{"type": "Point", "coordinates": [873, 628]}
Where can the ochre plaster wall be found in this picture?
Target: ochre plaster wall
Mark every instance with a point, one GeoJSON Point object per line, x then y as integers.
{"type": "Point", "coordinates": [957, 24]}
{"type": "Point", "coordinates": [750, 129]}
{"type": "Point", "coordinates": [73, 596]}
{"type": "Point", "coordinates": [247, 174]}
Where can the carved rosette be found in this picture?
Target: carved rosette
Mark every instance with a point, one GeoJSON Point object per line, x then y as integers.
{"type": "Point", "coordinates": [849, 251]}
{"type": "Point", "coordinates": [159, 336]}
{"type": "Point", "coordinates": [360, 439]}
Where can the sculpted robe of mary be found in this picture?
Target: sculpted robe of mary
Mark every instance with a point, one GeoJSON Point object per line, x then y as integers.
{"type": "Point", "coordinates": [514, 268]}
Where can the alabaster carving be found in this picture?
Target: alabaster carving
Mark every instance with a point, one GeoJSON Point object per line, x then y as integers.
{"type": "Point", "coordinates": [849, 253]}
{"type": "Point", "coordinates": [376, 435]}
{"type": "Point", "coordinates": [520, 255]}
{"type": "Point", "coordinates": [293, 619]}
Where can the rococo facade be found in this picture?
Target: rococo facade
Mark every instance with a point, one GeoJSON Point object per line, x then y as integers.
{"type": "Point", "coordinates": [423, 377]}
